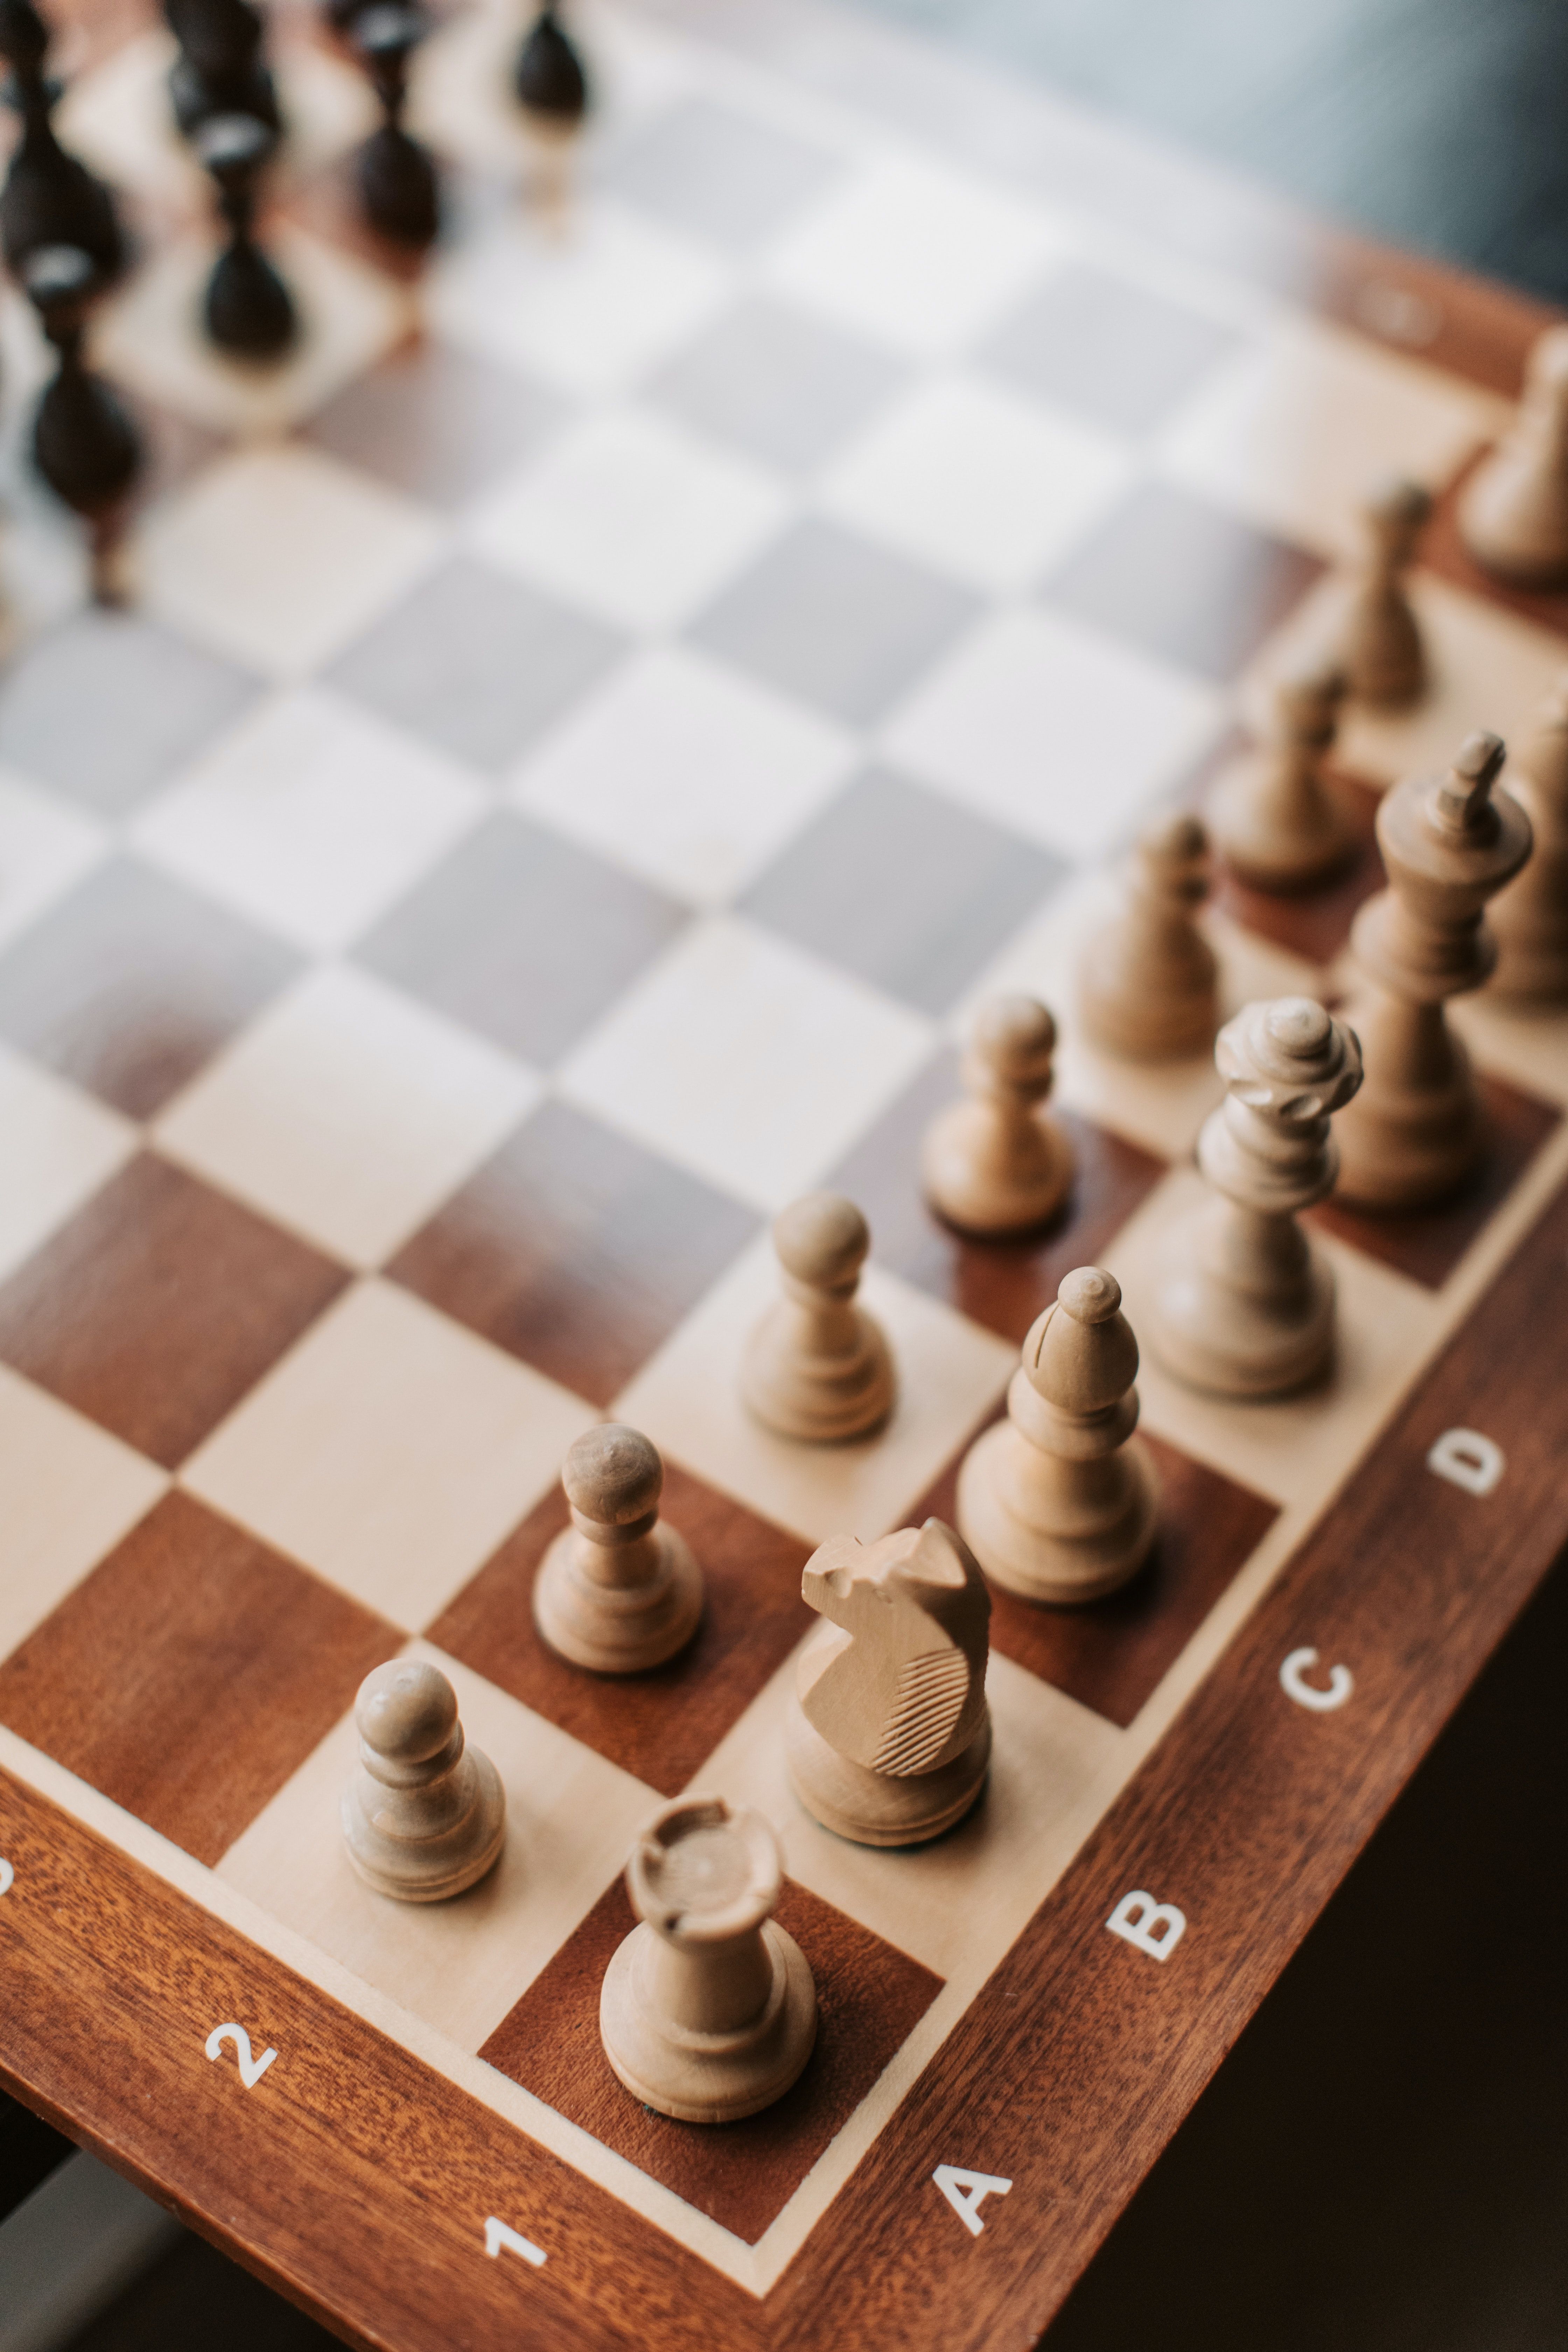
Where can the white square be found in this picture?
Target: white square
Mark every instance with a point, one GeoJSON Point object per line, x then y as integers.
{"type": "Point", "coordinates": [45, 847]}
{"type": "Point", "coordinates": [747, 1061]}
{"type": "Point", "coordinates": [917, 255]}
{"type": "Point", "coordinates": [686, 1398]}
{"type": "Point", "coordinates": [591, 311]}
{"type": "Point", "coordinates": [686, 771]}
{"type": "Point", "coordinates": [348, 1113]}
{"type": "Point", "coordinates": [1053, 728]}
{"type": "Point", "coordinates": [632, 518]}
{"type": "Point", "coordinates": [572, 1816]}
{"type": "Point", "coordinates": [280, 557]}
{"type": "Point", "coordinates": [60, 1146]}
{"type": "Point", "coordinates": [312, 816]}
{"type": "Point", "coordinates": [986, 486]}
{"type": "Point", "coordinates": [71, 1492]}
{"type": "Point", "coordinates": [1296, 431]}
{"type": "Point", "coordinates": [151, 337]}
{"type": "Point", "coordinates": [390, 1450]}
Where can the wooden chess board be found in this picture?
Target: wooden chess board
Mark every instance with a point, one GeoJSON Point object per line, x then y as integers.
{"type": "Point", "coordinates": [592, 726]}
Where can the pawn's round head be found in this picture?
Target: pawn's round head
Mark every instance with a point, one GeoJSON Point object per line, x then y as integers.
{"type": "Point", "coordinates": [1016, 1036]}
{"type": "Point", "coordinates": [1397, 510]}
{"type": "Point", "coordinates": [1175, 837]}
{"type": "Point", "coordinates": [1310, 696]}
{"type": "Point", "coordinates": [1081, 1354]}
{"type": "Point", "coordinates": [822, 1240]}
{"type": "Point", "coordinates": [1089, 1294]}
{"type": "Point", "coordinates": [407, 1710]}
{"type": "Point", "coordinates": [613, 1475]}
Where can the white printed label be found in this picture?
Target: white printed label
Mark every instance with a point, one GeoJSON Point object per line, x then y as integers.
{"type": "Point", "coordinates": [1317, 1698]}
{"type": "Point", "coordinates": [1155, 1927]}
{"type": "Point", "coordinates": [497, 2235]}
{"type": "Point", "coordinates": [1467, 1459]}
{"type": "Point", "coordinates": [251, 2069]}
{"type": "Point", "coordinates": [967, 2192]}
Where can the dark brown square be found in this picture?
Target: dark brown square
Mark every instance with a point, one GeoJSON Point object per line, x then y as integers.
{"type": "Point", "coordinates": [1004, 1285]}
{"type": "Point", "coordinates": [159, 1305]}
{"type": "Point", "coordinates": [575, 1249]}
{"type": "Point", "coordinates": [133, 983]}
{"type": "Point", "coordinates": [1428, 1244]}
{"type": "Point", "coordinates": [1111, 1654]}
{"type": "Point", "coordinates": [1184, 581]}
{"type": "Point", "coordinates": [190, 1675]}
{"type": "Point", "coordinates": [659, 1725]}
{"type": "Point", "coordinates": [522, 936]}
{"type": "Point", "coordinates": [870, 1997]}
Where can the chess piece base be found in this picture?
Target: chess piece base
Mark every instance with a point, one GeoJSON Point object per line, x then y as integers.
{"type": "Point", "coordinates": [823, 1399]}
{"type": "Point", "coordinates": [1513, 525]}
{"type": "Point", "coordinates": [1233, 1342]}
{"type": "Point", "coordinates": [1035, 1537]}
{"type": "Point", "coordinates": [879, 1808]}
{"type": "Point", "coordinates": [989, 1179]}
{"type": "Point", "coordinates": [707, 2078]}
{"type": "Point", "coordinates": [456, 1854]}
{"type": "Point", "coordinates": [618, 1629]}
{"type": "Point", "coordinates": [1302, 850]}
{"type": "Point", "coordinates": [1408, 1146]}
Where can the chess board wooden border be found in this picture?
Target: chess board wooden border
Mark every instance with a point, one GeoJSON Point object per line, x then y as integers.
{"type": "Point", "coordinates": [1072, 2070]}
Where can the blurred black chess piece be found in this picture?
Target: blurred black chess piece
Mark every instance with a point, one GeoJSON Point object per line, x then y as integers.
{"type": "Point", "coordinates": [220, 69]}
{"type": "Point", "coordinates": [550, 85]}
{"type": "Point", "coordinates": [247, 310]}
{"type": "Point", "coordinates": [397, 178]}
{"type": "Point", "coordinates": [83, 441]}
{"type": "Point", "coordinates": [49, 199]}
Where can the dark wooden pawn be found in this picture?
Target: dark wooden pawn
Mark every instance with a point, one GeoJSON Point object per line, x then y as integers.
{"type": "Point", "coordinates": [49, 199]}
{"type": "Point", "coordinates": [220, 69]}
{"type": "Point", "coordinates": [84, 442]}
{"type": "Point", "coordinates": [398, 177]}
{"type": "Point", "coordinates": [247, 310]}
{"type": "Point", "coordinates": [548, 77]}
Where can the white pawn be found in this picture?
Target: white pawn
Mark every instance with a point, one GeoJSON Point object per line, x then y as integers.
{"type": "Point", "coordinates": [1147, 982]}
{"type": "Point", "coordinates": [1274, 819]}
{"type": "Point", "coordinates": [994, 1163]}
{"type": "Point", "coordinates": [1381, 643]}
{"type": "Point", "coordinates": [707, 2010]}
{"type": "Point", "coordinates": [1513, 515]}
{"type": "Point", "coordinates": [423, 1816]}
{"type": "Point", "coordinates": [817, 1366]}
{"type": "Point", "coordinates": [1246, 1306]}
{"type": "Point", "coordinates": [1059, 1502]}
{"type": "Point", "coordinates": [1530, 919]}
{"type": "Point", "coordinates": [617, 1590]}
{"type": "Point", "coordinates": [888, 1735]}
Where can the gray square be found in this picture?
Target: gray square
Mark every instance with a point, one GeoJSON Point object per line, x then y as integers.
{"type": "Point", "coordinates": [523, 937]}
{"type": "Point", "coordinates": [107, 706]}
{"type": "Point", "coordinates": [721, 176]}
{"type": "Point", "coordinates": [476, 662]}
{"type": "Point", "coordinates": [902, 886]}
{"type": "Point", "coordinates": [843, 624]}
{"type": "Point", "coordinates": [1107, 350]}
{"type": "Point", "coordinates": [439, 423]}
{"type": "Point", "coordinates": [784, 388]}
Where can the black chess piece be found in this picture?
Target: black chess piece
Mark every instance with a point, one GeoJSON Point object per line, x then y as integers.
{"type": "Point", "coordinates": [247, 310]}
{"type": "Point", "coordinates": [398, 177]}
{"type": "Point", "coordinates": [84, 442]}
{"type": "Point", "coordinates": [49, 199]}
{"type": "Point", "coordinates": [220, 69]}
{"type": "Point", "coordinates": [548, 77]}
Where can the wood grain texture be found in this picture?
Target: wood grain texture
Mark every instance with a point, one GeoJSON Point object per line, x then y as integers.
{"type": "Point", "coordinates": [351, 2176]}
{"type": "Point", "coordinates": [241, 1662]}
{"type": "Point", "coordinates": [869, 1998]}
{"type": "Point", "coordinates": [660, 1725]}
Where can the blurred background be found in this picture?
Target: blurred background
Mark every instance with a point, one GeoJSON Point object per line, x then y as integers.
{"type": "Point", "coordinates": [1434, 123]}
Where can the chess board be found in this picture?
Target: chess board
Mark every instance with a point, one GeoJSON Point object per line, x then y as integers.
{"type": "Point", "coordinates": [590, 730]}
